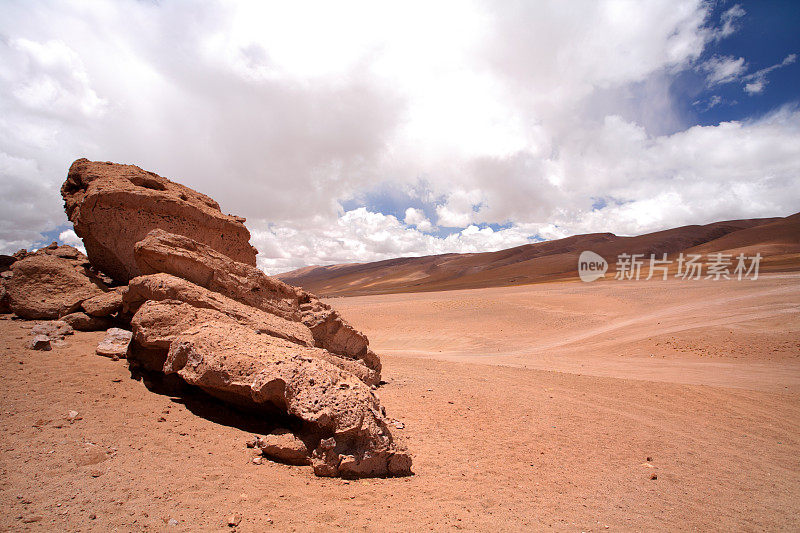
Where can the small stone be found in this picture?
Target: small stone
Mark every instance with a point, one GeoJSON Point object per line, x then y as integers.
{"type": "Point", "coordinates": [649, 459]}
{"type": "Point", "coordinates": [283, 446]}
{"type": "Point", "coordinates": [73, 415]}
{"type": "Point", "coordinates": [162, 419]}
{"type": "Point", "coordinates": [92, 516]}
{"type": "Point", "coordinates": [257, 460]}
{"type": "Point", "coordinates": [251, 443]}
{"type": "Point", "coordinates": [399, 425]}
{"type": "Point", "coordinates": [30, 519]}
{"type": "Point", "coordinates": [654, 476]}
{"type": "Point", "coordinates": [172, 522]}
{"type": "Point", "coordinates": [234, 520]}
{"type": "Point", "coordinates": [40, 342]}
{"type": "Point", "coordinates": [115, 344]}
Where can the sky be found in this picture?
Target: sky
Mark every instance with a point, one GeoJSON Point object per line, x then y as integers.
{"type": "Point", "coordinates": [360, 131]}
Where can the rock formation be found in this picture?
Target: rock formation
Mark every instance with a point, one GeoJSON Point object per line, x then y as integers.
{"type": "Point", "coordinates": [51, 283]}
{"type": "Point", "coordinates": [201, 314]}
{"type": "Point", "coordinates": [112, 207]}
{"type": "Point", "coordinates": [237, 365]}
{"type": "Point", "coordinates": [183, 257]}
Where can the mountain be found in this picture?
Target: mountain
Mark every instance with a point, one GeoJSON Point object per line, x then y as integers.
{"type": "Point", "coordinates": [776, 239]}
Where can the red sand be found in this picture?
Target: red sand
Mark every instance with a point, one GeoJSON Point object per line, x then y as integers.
{"type": "Point", "coordinates": [526, 408]}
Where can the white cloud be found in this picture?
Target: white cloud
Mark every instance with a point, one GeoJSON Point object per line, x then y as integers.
{"type": "Point", "coordinates": [729, 20]}
{"type": "Point", "coordinates": [519, 114]}
{"type": "Point", "coordinates": [723, 69]}
{"type": "Point", "coordinates": [755, 87]}
{"type": "Point", "coordinates": [757, 81]}
{"type": "Point", "coordinates": [70, 237]}
{"type": "Point", "coordinates": [416, 217]}
{"type": "Point", "coordinates": [361, 235]}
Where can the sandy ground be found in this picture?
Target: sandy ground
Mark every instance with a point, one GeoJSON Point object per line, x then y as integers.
{"type": "Point", "coordinates": [526, 408]}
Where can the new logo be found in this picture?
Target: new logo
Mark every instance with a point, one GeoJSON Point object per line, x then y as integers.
{"type": "Point", "coordinates": [591, 266]}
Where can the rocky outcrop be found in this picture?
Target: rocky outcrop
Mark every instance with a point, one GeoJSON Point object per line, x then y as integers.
{"type": "Point", "coordinates": [106, 304]}
{"type": "Point", "coordinates": [158, 322]}
{"type": "Point", "coordinates": [181, 256]}
{"type": "Point", "coordinates": [186, 258]}
{"type": "Point", "coordinates": [203, 316]}
{"type": "Point", "coordinates": [113, 206]}
{"type": "Point", "coordinates": [159, 287]}
{"type": "Point", "coordinates": [239, 366]}
{"type": "Point", "coordinates": [51, 283]}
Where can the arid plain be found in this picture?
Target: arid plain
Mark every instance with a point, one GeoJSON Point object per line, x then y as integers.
{"type": "Point", "coordinates": [580, 407]}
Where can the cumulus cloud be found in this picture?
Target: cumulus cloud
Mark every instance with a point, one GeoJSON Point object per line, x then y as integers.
{"type": "Point", "coordinates": [70, 237]}
{"type": "Point", "coordinates": [416, 217]}
{"type": "Point", "coordinates": [512, 115]}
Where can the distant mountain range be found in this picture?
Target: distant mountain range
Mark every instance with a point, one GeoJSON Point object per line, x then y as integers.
{"type": "Point", "coordinates": [776, 239]}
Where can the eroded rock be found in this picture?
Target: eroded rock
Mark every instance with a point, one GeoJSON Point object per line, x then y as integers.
{"type": "Point", "coordinates": [285, 447]}
{"type": "Point", "coordinates": [84, 322]}
{"type": "Point", "coordinates": [158, 322]}
{"type": "Point", "coordinates": [113, 206]}
{"type": "Point", "coordinates": [183, 257]}
{"type": "Point", "coordinates": [240, 366]}
{"type": "Point", "coordinates": [48, 286]}
{"type": "Point", "coordinates": [106, 304]}
{"type": "Point", "coordinates": [159, 287]}
{"type": "Point", "coordinates": [40, 342]}
{"type": "Point", "coordinates": [115, 344]}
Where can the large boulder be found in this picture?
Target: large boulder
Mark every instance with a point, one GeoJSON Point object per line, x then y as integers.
{"type": "Point", "coordinates": [157, 323]}
{"type": "Point", "coordinates": [114, 206]}
{"type": "Point", "coordinates": [242, 367]}
{"type": "Point", "coordinates": [181, 256]}
{"type": "Point", "coordinates": [159, 287]}
{"type": "Point", "coordinates": [49, 285]}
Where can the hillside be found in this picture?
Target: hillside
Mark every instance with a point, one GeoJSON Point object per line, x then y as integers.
{"type": "Point", "coordinates": [777, 239]}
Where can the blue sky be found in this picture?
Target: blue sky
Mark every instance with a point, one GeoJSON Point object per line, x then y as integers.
{"type": "Point", "coordinates": [360, 131]}
{"type": "Point", "coordinates": [766, 34]}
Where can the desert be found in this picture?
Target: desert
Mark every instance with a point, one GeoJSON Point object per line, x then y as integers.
{"type": "Point", "coordinates": [520, 430]}
{"type": "Point", "coordinates": [460, 265]}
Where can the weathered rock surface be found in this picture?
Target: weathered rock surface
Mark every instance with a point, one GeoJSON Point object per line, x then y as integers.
{"type": "Point", "coordinates": [186, 258]}
{"type": "Point", "coordinates": [181, 256]}
{"type": "Point", "coordinates": [115, 344]}
{"type": "Point", "coordinates": [157, 323]}
{"type": "Point", "coordinates": [84, 322]}
{"type": "Point", "coordinates": [45, 285]}
{"type": "Point", "coordinates": [283, 446]}
{"type": "Point", "coordinates": [40, 342]}
{"type": "Point", "coordinates": [106, 304]}
{"type": "Point", "coordinates": [113, 206]}
{"type": "Point", "coordinates": [166, 287]}
{"type": "Point", "coordinates": [240, 366]}
{"type": "Point", "coordinates": [52, 329]}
